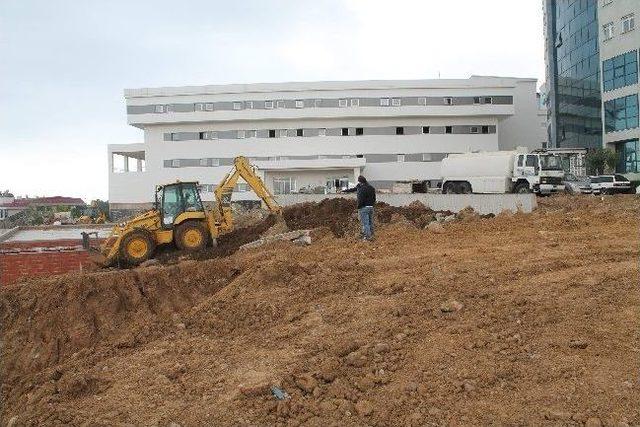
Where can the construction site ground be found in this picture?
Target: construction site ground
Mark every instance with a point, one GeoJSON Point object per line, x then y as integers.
{"type": "Point", "coordinates": [520, 319]}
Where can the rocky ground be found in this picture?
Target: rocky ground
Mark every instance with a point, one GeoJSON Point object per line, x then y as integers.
{"type": "Point", "coordinates": [521, 319]}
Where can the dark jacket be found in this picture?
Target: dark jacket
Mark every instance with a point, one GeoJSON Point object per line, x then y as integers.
{"type": "Point", "coordinates": [366, 194]}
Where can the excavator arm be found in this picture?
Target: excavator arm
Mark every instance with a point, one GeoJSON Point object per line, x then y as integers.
{"type": "Point", "coordinates": [222, 215]}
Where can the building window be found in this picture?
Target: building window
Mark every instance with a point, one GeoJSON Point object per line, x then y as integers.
{"type": "Point", "coordinates": [283, 133]}
{"type": "Point", "coordinates": [159, 109]}
{"type": "Point", "coordinates": [606, 2]}
{"type": "Point", "coordinates": [448, 129]}
{"type": "Point", "coordinates": [619, 71]}
{"type": "Point", "coordinates": [299, 103]}
{"type": "Point", "coordinates": [175, 163]}
{"type": "Point", "coordinates": [199, 106]}
{"type": "Point", "coordinates": [488, 100]}
{"type": "Point", "coordinates": [448, 100]}
{"type": "Point", "coordinates": [359, 156]}
{"type": "Point", "coordinates": [252, 133]}
{"type": "Point", "coordinates": [396, 102]}
{"type": "Point", "coordinates": [299, 132]}
{"type": "Point", "coordinates": [322, 132]}
{"type": "Point", "coordinates": [203, 135]}
{"type": "Point", "coordinates": [607, 31]}
{"type": "Point", "coordinates": [248, 104]}
{"type": "Point", "coordinates": [317, 103]}
{"type": "Point", "coordinates": [422, 101]}
{"type": "Point", "coordinates": [426, 157]}
{"type": "Point", "coordinates": [204, 162]}
{"type": "Point", "coordinates": [400, 158]}
{"type": "Point", "coordinates": [268, 105]}
{"type": "Point", "coordinates": [272, 133]}
{"type": "Point", "coordinates": [425, 129]}
{"type": "Point", "coordinates": [628, 23]}
{"type": "Point", "coordinates": [621, 113]}
{"type": "Point", "coordinates": [345, 132]}
{"type": "Point", "coordinates": [342, 103]}
{"type": "Point", "coordinates": [240, 134]}
{"type": "Point", "coordinates": [359, 131]}
{"type": "Point", "coordinates": [280, 104]}
{"type": "Point", "coordinates": [476, 100]}
{"type": "Point", "coordinates": [208, 106]}
{"type": "Point", "coordinates": [399, 130]}
{"type": "Point", "coordinates": [485, 129]}
{"type": "Point", "coordinates": [384, 102]}
{"type": "Point", "coordinates": [628, 156]}
{"type": "Point", "coordinates": [355, 102]}
{"type": "Point", "coordinates": [175, 137]}
{"type": "Point", "coordinates": [473, 129]}
{"type": "Point", "coordinates": [284, 185]}
{"type": "Point", "coordinates": [237, 105]}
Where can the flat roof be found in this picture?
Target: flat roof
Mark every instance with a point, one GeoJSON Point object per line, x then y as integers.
{"type": "Point", "coordinates": [473, 81]}
{"type": "Point", "coordinates": [48, 233]}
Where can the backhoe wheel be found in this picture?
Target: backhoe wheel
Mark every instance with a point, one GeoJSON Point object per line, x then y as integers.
{"type": "Point", "coordinates": [192, 236]}
{"type": "Point", "coordinates": [137, 247]}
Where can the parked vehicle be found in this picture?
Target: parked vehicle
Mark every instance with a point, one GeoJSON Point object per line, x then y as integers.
{"type": "Point", "coordinates": [610, 184]}
{"type": "Point", "coordinates": [577, 184]}
{"type": "Point", "coordinates": [502, 172]}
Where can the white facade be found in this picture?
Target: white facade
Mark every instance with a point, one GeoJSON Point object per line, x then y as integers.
{"type": "Point", "coordinates": [304, 136]}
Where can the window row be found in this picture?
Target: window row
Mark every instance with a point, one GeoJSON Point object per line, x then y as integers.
{"type": "Point", "coordinates": [619, 71]}
{"type": "Point", "coordinates": [370, 158]}
{"type": "Point", "coordinates": [621, 113]}
{"type": "Point", "coordinates": [627, 23]}
{"type": "Point", "coordinates": [317, 103]}
{"type": "Point", "coordinates": [316, 132]}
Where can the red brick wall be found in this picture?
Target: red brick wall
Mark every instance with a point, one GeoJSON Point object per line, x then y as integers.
{"type": "Point", "coordinates": [20, 260]}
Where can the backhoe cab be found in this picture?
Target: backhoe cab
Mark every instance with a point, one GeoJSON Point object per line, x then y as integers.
{"type": "Point", "coordinates": [179, 217]}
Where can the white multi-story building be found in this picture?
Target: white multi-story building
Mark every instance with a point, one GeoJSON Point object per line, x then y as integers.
{"type": "Point", "coordinates": [312, 137]}
{"type": "Point", "coordinates": [618, 45]}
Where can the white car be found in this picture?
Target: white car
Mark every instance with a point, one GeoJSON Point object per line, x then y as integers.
{"type": "Point", "coordinates": [576, 184]}
{"type": "Point", "coordinates": [610, 184]}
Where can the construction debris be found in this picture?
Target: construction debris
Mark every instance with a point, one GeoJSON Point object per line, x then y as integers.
{"type": "Point", "coordinates": [355, 332]}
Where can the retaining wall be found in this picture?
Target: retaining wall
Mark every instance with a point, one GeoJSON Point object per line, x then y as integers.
{"type": "Point", "coordinates": [481, 203]}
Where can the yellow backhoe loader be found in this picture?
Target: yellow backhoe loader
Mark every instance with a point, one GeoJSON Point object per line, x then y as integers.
{"type": "Point", "coordinates": [179, 217]}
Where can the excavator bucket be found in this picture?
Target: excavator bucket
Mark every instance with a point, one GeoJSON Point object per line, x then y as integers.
{"type": "Point", "coordinates": [97, 254]}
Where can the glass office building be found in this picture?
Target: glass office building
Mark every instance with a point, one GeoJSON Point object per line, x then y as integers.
{"type": "Point", "coordinates": [573, 73]}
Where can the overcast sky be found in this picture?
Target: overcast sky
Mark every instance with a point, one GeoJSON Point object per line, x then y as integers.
{"type": "Point", "coordinates": [64, 64]}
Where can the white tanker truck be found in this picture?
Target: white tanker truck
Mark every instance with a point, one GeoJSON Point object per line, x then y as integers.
{"type": "Point", "coordinates": [502, 172]}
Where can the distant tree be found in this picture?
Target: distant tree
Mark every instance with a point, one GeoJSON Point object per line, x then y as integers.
{"type": "Point", "coordinates": [601, 159]}
{"type": "Point", "coordinates": [6, 193]}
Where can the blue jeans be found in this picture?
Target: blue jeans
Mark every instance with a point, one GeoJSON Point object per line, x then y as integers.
{"type": "Point", "coordinates": [366, 220]}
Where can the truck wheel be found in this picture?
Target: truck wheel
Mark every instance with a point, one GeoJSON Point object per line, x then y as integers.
{"type": "Point", "coordinates": [464, 187]}
{"type": "Point", "coordinates": [522, 188]}
{"type": "Point", "coordinates": [447, 188]}
{"type": "Point", "coordinates": [191, 236]}
{"type": "Point", "coordinates": [137, 247]}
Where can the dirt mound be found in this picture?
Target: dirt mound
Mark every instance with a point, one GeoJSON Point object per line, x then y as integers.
{"type": "Point", "coordinates": [524, 319]}
{"type": "Point", "coordinates": [339, 214]}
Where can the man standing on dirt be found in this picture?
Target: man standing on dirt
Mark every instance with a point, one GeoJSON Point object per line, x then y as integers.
{"type": "Point", "coordinates": [366, 200]}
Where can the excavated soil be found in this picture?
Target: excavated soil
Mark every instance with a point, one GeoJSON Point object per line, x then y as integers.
{"type": "Point", "coordinates": [521, 319]}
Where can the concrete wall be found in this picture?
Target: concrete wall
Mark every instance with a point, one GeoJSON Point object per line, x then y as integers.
{"type": "Point", "coordinates": [481, 203]}
{"type": "Point", "coordinates": [523, 128]}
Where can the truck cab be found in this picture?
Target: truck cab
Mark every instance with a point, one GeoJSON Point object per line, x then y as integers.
{"type": "Point", "coordinates": [537, 172]}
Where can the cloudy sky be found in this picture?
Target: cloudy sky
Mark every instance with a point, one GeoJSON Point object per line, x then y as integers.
{"type": "Point", "coordinates": [64, 64]}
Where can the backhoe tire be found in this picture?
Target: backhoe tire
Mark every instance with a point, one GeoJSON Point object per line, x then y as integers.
{"type": "Point", "coordinates": [465, 188]}
{"type": "Point", "coordinates": [137, 247]}
{"type": "Point", "coordinates": [192, 236]}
